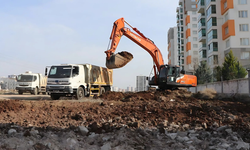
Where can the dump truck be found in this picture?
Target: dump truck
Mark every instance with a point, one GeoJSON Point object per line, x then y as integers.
{"type": "Point", "coordinates": [34, 83]}
{"type": "Point", "coordinates": [78, 80]}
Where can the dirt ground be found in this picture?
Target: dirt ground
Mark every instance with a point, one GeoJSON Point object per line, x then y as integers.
{"type": "Point", "coordinates": [115, 109]}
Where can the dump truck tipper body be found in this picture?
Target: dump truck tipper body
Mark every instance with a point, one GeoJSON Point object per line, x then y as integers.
{"type": "Point", "coordinates": [79, 80]}
{"type": "Point", "coordinates": [33, 83]}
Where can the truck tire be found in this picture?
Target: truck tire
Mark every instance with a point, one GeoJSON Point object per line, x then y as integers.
{"type": "Point", "coordinates": [35, 92]}
{"type": "Point", "coordinates": [54, 96]}
{"type": "Point", "coordinates": [80, 93]}
{"type": "Point", "coordinates": [20, 92]}
{"type": "Point", "coordinates": [102, 90]}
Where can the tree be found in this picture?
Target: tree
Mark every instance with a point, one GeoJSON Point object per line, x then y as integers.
{"type": "Point", "coordinates": [203, 73]}
{"type": "Point", "coordinates": [231, 68]}
{"type": "Point", "coordinates": [217, 73]}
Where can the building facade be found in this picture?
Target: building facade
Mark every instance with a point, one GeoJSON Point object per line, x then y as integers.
{"type": "Point", "coordinates": [141, 83]}
{"type": "Point", "coordinates": [223, 26]}
{"type": "Point", "coordinates": [173, 46]}
{"type": "Point", "coordinates": [188, 44]}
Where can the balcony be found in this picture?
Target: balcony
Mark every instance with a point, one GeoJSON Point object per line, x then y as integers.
{"type": "Point", "coordinates": [202, 35]}
{"type": "Point", "coordinates": [201, 6]}
{"type": "Point", "coordinates": [177, 9]}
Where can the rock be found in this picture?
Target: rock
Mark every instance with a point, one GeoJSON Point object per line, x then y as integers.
{"type": "Point", "coordinates": [83, 130]}
{"type": "Point", "coordinates": [106, 146]}
{"type": "Point", "coordinates": [242, 145]}
{"type": "Point", "coordinates": [222, 128]}
{"type": "Point", "coordinates": [172, 135]}
{"type": "Point", "coordinates": [11, 131]}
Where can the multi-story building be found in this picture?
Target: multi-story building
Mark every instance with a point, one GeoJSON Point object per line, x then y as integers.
{"type": "Point", "coordinates": [187, 35]}
{"type": "Point", "coordinates": [141, 83]}
{"type": "Point", "coordinates": [173, 46]}
{"type": "Point", "coordinates": [223, 25]}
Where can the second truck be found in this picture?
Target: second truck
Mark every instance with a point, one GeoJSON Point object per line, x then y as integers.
{"type": "Point", "coordinates": [78, 80]}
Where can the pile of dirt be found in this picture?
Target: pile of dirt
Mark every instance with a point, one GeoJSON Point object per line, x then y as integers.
{"type": "Point", "coordinates": [142, 109]}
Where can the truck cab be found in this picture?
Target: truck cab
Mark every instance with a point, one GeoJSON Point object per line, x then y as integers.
{"type": "Point", "coordinates": [33, 83]}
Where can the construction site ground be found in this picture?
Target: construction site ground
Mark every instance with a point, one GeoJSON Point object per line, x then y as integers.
{"type": "Point", "coordinates": [115, 110]}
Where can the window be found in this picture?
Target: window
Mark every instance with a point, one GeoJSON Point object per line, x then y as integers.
{"type": "Point", "coordinates": [226, 30]}
{"type": "Point", "coordinates": [242, 2]}
{"type": "Point", "coordinates": [225, 5]}
{"type": "Point", "coordinates": [182, 48]}
{"type": "Point", "coordinates": [182, 41]}
{"type": "Point", "coordinates": [227, 43]}
{"type": "Point", "coordinates": [194, 25]}
{"type": "Point", "coordinates": [243, 27]}
{"type": "Point", "coordinates": [212, 35]}
{"type": "Point", "coordinates": [211, 10]}
{"type": "Point", "coordinates": [245, 55]}
{"type": "Point", "coordinates": [182, 35]}
{"type": "Point", "coordinates": [181, 16]}
{"type": "Point", "coordinates": [193, 0]}
{"type": "Point", "coordinates": [193, 12]}
{"type": "Point", "coordinates": [244, 41]}
{"type": "Point", "coordinates": [195, 52]}
{"type": "Point", "coordinates": [182, 61]}
{"type": "Point", "coordinates": [213, 46]}
{"type": "Point", "coordinates": [211, 22]}
{"type": "Point", "coordinates": [195, 46]}
{"type": "Point", "coordinates": [181, 22]}
{"type": "Point", "coordinates": [194, 32]}
{"type": "Point", "coordinates": [194, 19]}
{"type": "Point", "coordinates": [243, 14]}
{"type": "Point", "coordinates": [193, 6]}
{"type": "Point", "coordinates": [202, 33]}
{"type": "Point", "coordinates": [195, 39]}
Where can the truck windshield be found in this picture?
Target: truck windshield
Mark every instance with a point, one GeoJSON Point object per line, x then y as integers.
{"type": "Point", "coordinates": [60, 72]}
{"type": "Point", "coordinates": [25, 78]}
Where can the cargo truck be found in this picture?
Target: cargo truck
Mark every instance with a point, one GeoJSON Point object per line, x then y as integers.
{"type": "Point", "coordinates": [78, 80]}
{"type": "Point", "coordinates": [34, 83]}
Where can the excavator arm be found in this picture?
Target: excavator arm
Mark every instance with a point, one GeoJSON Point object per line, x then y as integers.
{"type": "Point", "coordinates": [119, 60]}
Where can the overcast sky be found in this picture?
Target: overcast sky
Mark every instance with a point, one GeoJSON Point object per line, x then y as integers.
{"type": "Point", "coordinates": [39, 33]}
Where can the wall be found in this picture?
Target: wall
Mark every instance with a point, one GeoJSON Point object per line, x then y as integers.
{"type": "Point", "coordinates": [240, 86]}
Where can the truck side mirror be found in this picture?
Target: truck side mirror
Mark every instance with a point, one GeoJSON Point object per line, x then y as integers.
{"type": "Point", "coordinates": [46, 69]}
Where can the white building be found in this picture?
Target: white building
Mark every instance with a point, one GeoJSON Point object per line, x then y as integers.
{"type": "Point", "coordinates": [141, 83]}
{"type": "Point", "coordinates": [173, 46]}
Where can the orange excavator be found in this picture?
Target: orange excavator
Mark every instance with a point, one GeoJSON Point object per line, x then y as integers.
{"type": "Point", "coordinates": [165, 76]}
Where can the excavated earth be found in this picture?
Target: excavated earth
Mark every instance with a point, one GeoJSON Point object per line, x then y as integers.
{"type": "Point", "coordinates": [113, 113]}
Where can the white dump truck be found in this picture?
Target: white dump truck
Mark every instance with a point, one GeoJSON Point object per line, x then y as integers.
{"type": "Point", "coordinates": [33, 83]}
{"type": "Point", "coordinates": [78, 80]}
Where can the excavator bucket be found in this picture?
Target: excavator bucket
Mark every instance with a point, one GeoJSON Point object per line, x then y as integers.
{"type": "Point", "coordinates": [119, 60]}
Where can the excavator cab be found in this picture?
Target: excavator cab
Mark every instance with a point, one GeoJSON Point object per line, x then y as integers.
{"type": "Point", "coordinates": [168, 76]}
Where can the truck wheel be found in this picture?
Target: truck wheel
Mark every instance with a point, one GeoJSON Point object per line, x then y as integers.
{"type": "Point", "coordinates": [20, 92]}
{"type": "Point", "coordinates": [80, 93]}
{"type": "Point", "coordinates": [102, 90]}
{"type": "Point", "coordinates": [54, 96]}
{"type": "Point", "coordinates": [35, 91]}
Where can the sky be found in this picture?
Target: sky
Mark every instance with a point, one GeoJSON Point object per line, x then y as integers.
{"type": "Point", "coordinates": [39, 33]}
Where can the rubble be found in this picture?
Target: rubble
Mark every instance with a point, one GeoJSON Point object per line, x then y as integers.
{"type": "Point", "coordinates": [143, 120]}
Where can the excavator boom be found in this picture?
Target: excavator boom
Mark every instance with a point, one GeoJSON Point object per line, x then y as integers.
{"type": "Point", "coordinates": [119, 60]}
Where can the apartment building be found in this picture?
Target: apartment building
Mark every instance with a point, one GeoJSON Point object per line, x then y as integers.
{"type": "Point", "coordinates": [173, 46]}
{"type": "Point", "coordinates": [188, 44]}
{"type": "Point", "coordinates": [223, 25]}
